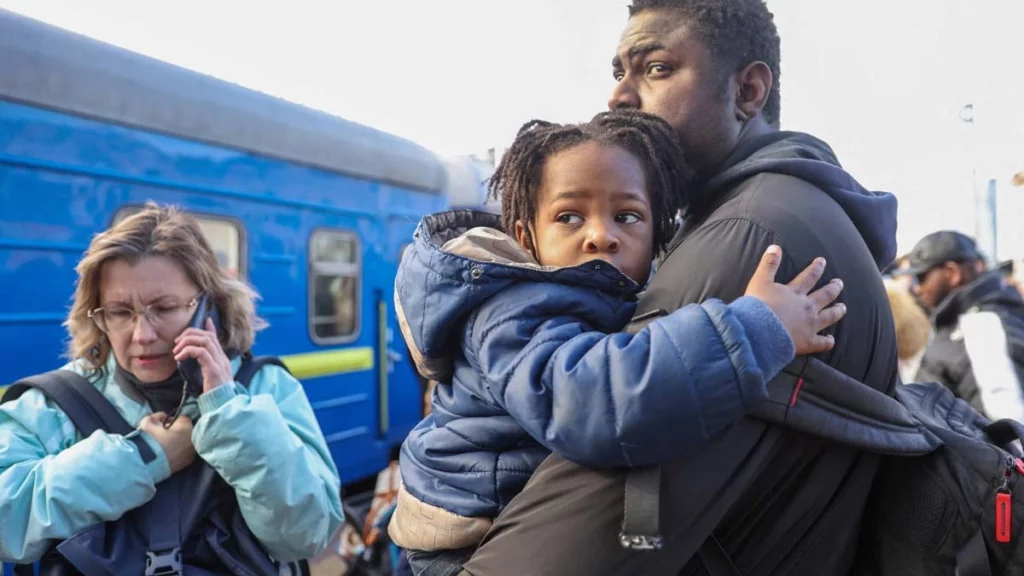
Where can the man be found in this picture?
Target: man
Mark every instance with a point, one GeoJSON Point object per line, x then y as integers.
{"type": "Point", "coordinates": [778, 501]}
{"type": "Point", "coordinates": [978, 348]}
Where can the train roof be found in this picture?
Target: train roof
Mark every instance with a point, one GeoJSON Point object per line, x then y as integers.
{"type": "Point", "coordinates": [51, 67]}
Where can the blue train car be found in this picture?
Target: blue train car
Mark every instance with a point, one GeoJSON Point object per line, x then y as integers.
{"type": "Point", "coordinates": [311, 209]}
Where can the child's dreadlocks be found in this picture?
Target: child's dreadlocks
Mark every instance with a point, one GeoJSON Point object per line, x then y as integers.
{"type": "Point", "coordinates": [649, 138]}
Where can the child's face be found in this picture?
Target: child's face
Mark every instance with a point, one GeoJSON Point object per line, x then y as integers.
{"type": "Point", "coordinates": [593, 204]}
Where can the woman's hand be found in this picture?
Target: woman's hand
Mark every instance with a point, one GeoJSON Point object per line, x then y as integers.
{"type": "Point", "coordinates": [205, 348]}
{"type": "Point", "coordinates": [176, 440]}
{"type": "Point", "coordinates": [802, 312]}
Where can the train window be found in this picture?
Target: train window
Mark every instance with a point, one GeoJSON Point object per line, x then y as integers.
{"type": "Point", "coordinates": [334, 286]}
{"type": "Point", "coordinates": [224, 236]}
{"type": "Point", "coordinates": [225, 240]}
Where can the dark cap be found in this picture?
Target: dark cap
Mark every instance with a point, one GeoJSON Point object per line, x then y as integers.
{"type": "Point", "coordinates": [938, 248]}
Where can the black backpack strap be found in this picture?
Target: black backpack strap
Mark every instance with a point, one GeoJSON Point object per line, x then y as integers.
{"type": "Point", "coordinates": [642, 509]}
{"type": "Point", "coordinates": [86, 407]}
{"type": "Point", "coordinates": [59, 386]}
{"type": "Point", "coordinates": [829, 404]}
{"type": "Point", "coordinates": [164, 556]}
{"type": "Point", "coordinates": [251, 365]}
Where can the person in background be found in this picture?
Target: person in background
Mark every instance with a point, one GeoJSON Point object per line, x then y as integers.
{"type": "Point", "coordinates": [1011, 273]}
{"type": "Point", "coordinates": [139, 285]}
{"type": "Point", "coordinates": [978, 348]}
{"type": "Point", "coordinates": [890, 273]}
{"type": "Point", "coordinates": [913, 329]}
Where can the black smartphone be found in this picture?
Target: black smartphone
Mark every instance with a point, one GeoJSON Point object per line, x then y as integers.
{"type": "Point", "coordinates": [189, 368]}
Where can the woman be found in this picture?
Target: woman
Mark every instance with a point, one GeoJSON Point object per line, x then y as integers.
{"type": "Point", "coordinates": [138, 289]}
{"type": "Point", "coordinates": [913, 329]}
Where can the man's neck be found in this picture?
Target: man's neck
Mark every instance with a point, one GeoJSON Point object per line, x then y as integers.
{"type": "Point", "coordinates": [753, 128]}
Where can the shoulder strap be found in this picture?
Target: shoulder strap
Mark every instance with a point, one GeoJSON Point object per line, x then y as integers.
{"type": "Point", "coordinates": [86, 407]}
{"type": "Point", "coordinates": [252, 365]}
{"type": "Point", "coordinates": [829, 404]}
{"type": "Point", "coordinates": [809, 396]}
{"type": "Point", "coordinates": [642, 509]}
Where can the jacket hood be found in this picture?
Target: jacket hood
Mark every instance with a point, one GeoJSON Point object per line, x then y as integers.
{"type": "Point", "coordinates": [988, 290]}
{"type": "Point", "coordinates": [459, 259]}
{"type": "Point", "coordinates": [808, 158]}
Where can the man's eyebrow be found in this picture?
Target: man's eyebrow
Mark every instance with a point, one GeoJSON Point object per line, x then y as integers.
{"type": "Point", "coordinates": [640, 49]}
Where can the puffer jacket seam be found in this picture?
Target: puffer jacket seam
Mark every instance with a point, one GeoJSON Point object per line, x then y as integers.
{"type": "Point", "coordinates": [725, 347]}
{"type": "Point", "coordinates": [494, 477]}
{"type": "Point", "coordinates": [615, 409]}
{"type": "Point", "coordinates": [531, 344]}
{"type": "Point", "coordinates": [460, 435]}
{"type": "Point", "coordinates": [678, 350]}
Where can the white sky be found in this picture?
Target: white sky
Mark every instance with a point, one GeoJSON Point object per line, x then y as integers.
{"type": "Point", "coordinates": [882, 81]}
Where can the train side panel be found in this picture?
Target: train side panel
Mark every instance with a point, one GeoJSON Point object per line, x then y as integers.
{"type": "Point", "coordinates": [321, 249]}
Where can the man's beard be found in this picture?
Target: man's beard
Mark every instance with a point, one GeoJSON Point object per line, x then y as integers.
{"type": "Point", "coordinates": [940, 297]}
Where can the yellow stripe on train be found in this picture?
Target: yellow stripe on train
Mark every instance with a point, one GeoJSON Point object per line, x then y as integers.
{"type": "Point", "coordinates": [317, 364]}
{"type": "Point", "coordinates": [329, 362]}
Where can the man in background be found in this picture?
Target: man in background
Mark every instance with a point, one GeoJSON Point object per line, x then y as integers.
{"type": "Point", "coordinates": [978, 348]}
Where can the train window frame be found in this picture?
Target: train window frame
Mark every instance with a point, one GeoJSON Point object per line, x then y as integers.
{"type": "Point", "coordinates": [239, 226]}
{"type": "Point", "coordinates": [311, 286]}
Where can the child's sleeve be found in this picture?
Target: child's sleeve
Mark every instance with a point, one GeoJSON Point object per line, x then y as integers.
{"type": "Point", "coordinates": [620, 399]}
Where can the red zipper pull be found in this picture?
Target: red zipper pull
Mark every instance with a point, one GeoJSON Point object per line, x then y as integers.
{"type": "Point", "coordinates": [1004, 504]}
{"type": "Point", "coordinates": [1003, 517]}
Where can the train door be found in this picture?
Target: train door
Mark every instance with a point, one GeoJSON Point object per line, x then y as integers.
{"type": "Point", "coordinates": [341, 377]}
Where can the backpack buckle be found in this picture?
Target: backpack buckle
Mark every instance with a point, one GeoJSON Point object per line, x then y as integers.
{"type": "Point", "coordinates": [163, 563]}
{"type": "Point", "coordinates": [641, 542]}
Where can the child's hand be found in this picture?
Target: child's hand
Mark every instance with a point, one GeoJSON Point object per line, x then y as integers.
{"type": "Point", "coordinates": [803, 314]}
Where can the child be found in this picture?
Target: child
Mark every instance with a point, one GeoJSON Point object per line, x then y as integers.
{"type": "Point", "coordinates": [520, 323]}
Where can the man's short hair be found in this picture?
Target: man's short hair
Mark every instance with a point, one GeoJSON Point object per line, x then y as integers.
{"type": "Point", "coordinates": [736, 32]}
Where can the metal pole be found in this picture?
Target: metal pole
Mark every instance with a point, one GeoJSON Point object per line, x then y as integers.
{"type": "Point", "coordinates": [985, 225]}
{"type": "Point", "coordinates": [987, 238]}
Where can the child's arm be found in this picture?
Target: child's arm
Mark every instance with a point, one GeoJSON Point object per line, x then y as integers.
{"type": "Point", "coordinates": [632, 400]}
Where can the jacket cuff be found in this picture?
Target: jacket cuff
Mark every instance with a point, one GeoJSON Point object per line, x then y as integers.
{"type": "Point", "coordinates": [159, 468]}
{"type": "Point", "coordinates": [769, 340]}
{"type": "Point", "coordinates": [214, 399]}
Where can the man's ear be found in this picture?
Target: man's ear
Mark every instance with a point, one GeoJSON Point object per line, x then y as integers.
{"type": "Point", "coordinates": [755, 83]}
{"type": "Point", "coordinates": [954, 274]}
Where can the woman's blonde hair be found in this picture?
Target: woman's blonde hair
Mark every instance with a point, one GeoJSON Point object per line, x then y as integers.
{"type": "Point", "coordinates": [159, 231]}
{"type": "Point", "coordinates": [913, 329]}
